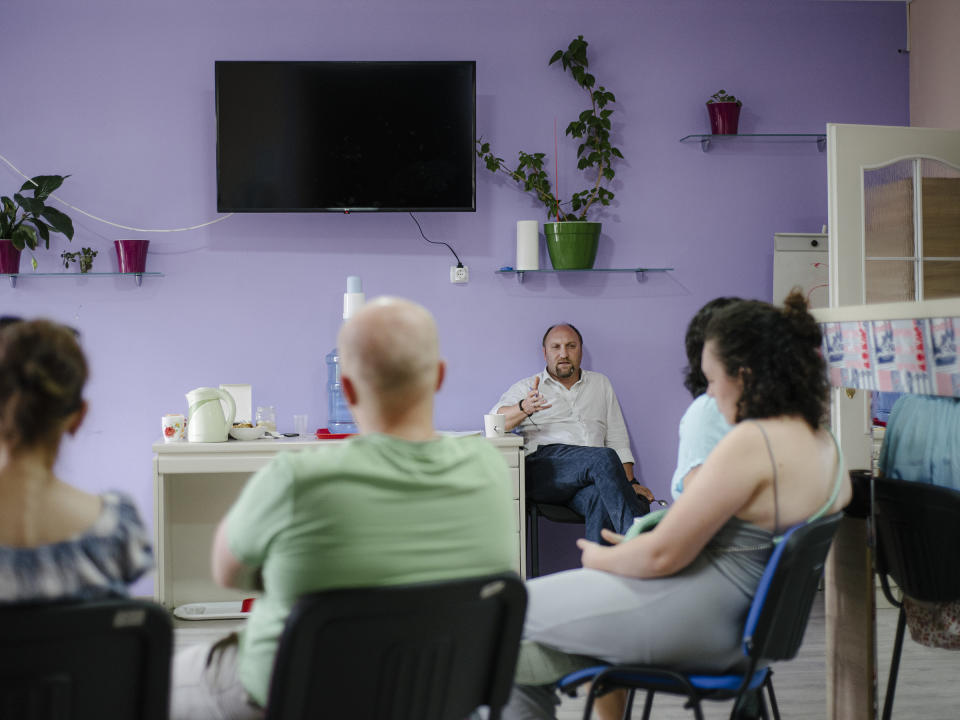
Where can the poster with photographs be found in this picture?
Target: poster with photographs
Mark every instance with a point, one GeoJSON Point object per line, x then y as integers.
{"type": "Point", "coordinates": [901, 360]}
{"type": "Point", "coordinates": [943, 352]}
{"type": "Point", "coordinates": [846, 349]}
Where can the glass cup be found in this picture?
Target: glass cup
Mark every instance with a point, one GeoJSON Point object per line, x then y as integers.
{"type": "Point", "coordinates": [300, 426]}
{"type": "Point", "coordinates": [267, 418]}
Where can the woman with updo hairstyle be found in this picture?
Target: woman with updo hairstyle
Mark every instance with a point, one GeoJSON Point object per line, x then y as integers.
{"type": "Point", "coordinates": [779, 352]}
{"type": "Point", "coordinates": [678, 594]}
{"type": "Point", "coordinates": [56, 541]}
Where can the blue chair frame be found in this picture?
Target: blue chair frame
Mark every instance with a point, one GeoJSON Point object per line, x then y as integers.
{"type": "Point", "coordinates": [773, 631]}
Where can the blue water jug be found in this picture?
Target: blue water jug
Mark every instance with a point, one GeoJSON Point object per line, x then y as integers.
{"type": "Point", "coordinates": [339, 419]}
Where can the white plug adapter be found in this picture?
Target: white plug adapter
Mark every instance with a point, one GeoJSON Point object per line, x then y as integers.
{"type": "Point", "coordinates": [459, 274]}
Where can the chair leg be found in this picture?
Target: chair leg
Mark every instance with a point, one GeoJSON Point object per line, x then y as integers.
{"type": "Point", "coordinates": [749, 705]}
{"type": "Point", "coordinates": [697, 710]}
{"type": "Point", "coordinates": [588, 705]}
{"type": "Point", "coordinates": [773, 698]}
{"type": "Point", "coordinates": [533, 551]}
{"type": "Point", "coordinates": [648, 705]}
{"type": "Point", "coordinates": [894, 664]}
{"type": "Point", "coordinates": [628, 708]}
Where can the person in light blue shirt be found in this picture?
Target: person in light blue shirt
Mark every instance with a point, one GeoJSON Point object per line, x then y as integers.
{"type": "Point", "coordinates": [702, 426]}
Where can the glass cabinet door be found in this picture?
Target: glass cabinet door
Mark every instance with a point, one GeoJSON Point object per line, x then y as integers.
{"type": "Point", "coordinates": [911, 230]}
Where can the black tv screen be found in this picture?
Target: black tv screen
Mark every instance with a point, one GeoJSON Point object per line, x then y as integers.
{"type": "Point", "coordinates": [345, 136]}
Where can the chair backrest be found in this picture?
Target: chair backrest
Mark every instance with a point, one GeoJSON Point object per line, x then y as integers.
{"type": "Point", "coordinates": [781, 606]}
{"type": "Point", "coordinates": [73, 661]}
{"type": "Point", "coordinates": [918, 536]}
{"type": "Point", "coordinates": [432, 651]}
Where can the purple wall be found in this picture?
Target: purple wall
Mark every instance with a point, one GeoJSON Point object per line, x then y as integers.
{"type": "Point", "coordinates": [120, 95]}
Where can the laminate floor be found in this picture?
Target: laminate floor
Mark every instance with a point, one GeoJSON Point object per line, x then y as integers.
{"type": "Point", "coordinates": [927, 689]}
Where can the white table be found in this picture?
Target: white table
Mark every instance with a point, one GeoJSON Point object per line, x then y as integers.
{"type": "Point", "coordinates": [194, 484]}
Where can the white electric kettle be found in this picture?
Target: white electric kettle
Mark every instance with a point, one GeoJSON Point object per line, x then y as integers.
{"type": "Point", "coordinates": [206, 421]}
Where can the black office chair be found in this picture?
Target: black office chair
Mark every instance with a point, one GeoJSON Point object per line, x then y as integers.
{"type": "Point", "coordinates": [556, 513]}
{"type": "Point", "coordinates": [432, 651]}
{"type": "Point", "coordinates": [773, 631]}
{"type": "Point", "coordinates": [917, 528]}
{"type": "Point", "coordinates": [74, 661]}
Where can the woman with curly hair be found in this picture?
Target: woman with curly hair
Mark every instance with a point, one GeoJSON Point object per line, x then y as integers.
{"type": "Point", "coordinates": [678, 595]}
{"type": "Point", "coordinates": [56, 541]}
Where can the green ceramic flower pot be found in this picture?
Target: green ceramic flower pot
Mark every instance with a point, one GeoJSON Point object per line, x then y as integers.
{"type": "Point", "coordinates": [572, 245]}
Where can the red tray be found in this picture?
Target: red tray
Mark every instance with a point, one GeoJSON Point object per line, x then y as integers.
{"type": "Point", "coordinates": [324, 434]}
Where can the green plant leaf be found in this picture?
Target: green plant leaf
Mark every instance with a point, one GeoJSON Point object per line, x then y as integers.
{"type": "Point", "coordinates": [30, 205]}
{"type": "Point", "coordinates": [59, 222]}
{"type": "Point", "coordinates": [43, 229]}
{"type": "Point", "coordinates": [24, 236]}
{"type": "Point", "coordinates": [43, 185]}
{"type": "Point", "coordinates": [556, 56]}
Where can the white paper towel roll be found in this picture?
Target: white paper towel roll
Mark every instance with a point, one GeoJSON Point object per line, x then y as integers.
{"type": "Point", "coordinates": [528, 245]}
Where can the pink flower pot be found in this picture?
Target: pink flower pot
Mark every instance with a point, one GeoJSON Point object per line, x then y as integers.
{"type": "Point", "coordinates": [9, 257]}
{"type": "Point", "coordinates": [724, 117]}
{"type": "Point", "coordinates": [131, 255]}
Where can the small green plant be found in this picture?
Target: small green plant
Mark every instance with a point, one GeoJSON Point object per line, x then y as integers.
{"type": "Point", "coordinates": [595, 153]}
{"type": "Point", "coordinates": [84, 257]}
{"type": "Point", "coordinates": [721, 97]}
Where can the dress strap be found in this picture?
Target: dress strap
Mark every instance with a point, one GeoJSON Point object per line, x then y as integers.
{"type": "Point", "coordinates": [773, 464]}
{"type": "Point", "coordinates": [837, 483]}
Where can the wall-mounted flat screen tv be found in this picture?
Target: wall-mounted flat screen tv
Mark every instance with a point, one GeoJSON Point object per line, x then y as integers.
{"type": "Point", "coordinates": [345, 136]}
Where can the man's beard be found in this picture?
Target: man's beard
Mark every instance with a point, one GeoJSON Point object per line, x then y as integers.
{"type": "Point", "coordinates": [564, 372]}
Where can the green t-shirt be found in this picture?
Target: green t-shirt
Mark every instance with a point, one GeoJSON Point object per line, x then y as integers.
{"type": "Point", "coordinates": [375, 510]}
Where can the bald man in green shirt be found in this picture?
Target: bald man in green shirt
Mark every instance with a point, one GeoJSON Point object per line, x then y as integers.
{"type": "Point", "coordinates": [397, 504]}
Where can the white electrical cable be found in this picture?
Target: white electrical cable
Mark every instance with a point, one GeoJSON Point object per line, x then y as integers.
{"type": "Point", "coordinates": [118, 225]}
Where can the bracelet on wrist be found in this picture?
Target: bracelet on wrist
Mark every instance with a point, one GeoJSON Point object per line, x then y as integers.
{"type": "Point", "coordinates": [520, 405]}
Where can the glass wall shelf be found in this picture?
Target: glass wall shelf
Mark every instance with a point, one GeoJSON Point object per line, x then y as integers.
{"type": "Point", "coordinates": [705, 140]}
{"type": "Point", "coordinates": [639, 271]}
{"type": "Point", "coordinates": [138, 277]}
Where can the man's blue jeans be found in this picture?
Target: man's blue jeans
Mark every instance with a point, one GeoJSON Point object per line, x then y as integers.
{"type": "Point", "coordinates": [588, 479]}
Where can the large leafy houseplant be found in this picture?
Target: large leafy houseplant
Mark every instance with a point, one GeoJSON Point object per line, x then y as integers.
{"type": "Point", "coordinates": [27, 219]}
{"type": "Point", "coordinates": [595, 154]}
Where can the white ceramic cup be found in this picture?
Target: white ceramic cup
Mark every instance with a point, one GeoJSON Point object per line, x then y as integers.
{"type": "Point", "coordinates": [174, 427]}
{"type": "Point", "coordinates": [300, 426]}
{"type": "Point", "coordinates": [493, 424]}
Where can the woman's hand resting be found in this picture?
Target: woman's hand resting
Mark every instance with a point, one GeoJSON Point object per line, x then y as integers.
{"type": "Point", "coordinates": [597, 556]}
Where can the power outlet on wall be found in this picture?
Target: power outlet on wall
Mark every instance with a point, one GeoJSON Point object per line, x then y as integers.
{"type": "Point", "coordinates": [459, 274]}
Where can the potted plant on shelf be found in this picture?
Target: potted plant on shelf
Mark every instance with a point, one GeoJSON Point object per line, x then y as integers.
{"type": "Point", "coordinates": [724, 111]}
{"type": "Point", "coordinates": [25, 220]}
{"type": "Point", "coordinates": [571, 239]}
{"type": "Point", "coordinates": [84, 257]}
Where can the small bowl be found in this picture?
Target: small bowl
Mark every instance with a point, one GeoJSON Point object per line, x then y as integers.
{"type": "Point", "coordinates": [247, 433]}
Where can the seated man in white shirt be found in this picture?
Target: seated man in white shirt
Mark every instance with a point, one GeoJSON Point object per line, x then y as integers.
{"type": "Point", "coordinates": [578, 451]}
